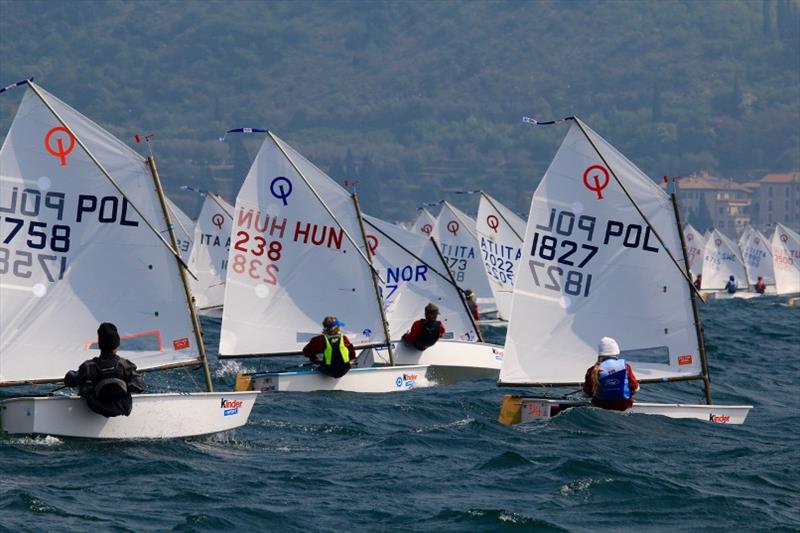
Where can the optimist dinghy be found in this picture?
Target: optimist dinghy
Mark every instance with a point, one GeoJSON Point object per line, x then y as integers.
{"type": "Point", "coordinates": [786, 259]}
{"type": "Point", "coordinates": [721, 260]}
{"type": "Point", "coordinates": [82, 247]}
{"type": "Point", "coordinates": [500, 233]}
{"type": "Point", "coordinates": [600, 260]}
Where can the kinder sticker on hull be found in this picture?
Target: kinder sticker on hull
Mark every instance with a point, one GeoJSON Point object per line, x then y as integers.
{"type": "Point", "coordinates": [230, 407]}
{"type": "Point", "coordinates": [406, 381]}
{"type": "Point", "coordinates": [719, 419]}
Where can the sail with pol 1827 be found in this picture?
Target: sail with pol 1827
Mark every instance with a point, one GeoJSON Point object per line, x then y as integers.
{"type": "Point", "coordinates": [603, 258]}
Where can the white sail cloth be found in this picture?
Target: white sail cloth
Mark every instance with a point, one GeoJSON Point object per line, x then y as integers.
{"type": "Point", "coordinates": [414, 276]}
{"type": "Point", "coordinates": [424, 223]}
{"type": "Point", "coordinates": [695, 248]}
{"type": "Point", "coordinates": [184, 230]}
{"type": "Point", "coordinates": [786, 257]}
{"type": "Point", "coordinates": [593, 268]}
{"type": "Point", "coordinates": [291, 263]}
{"type": "Point", "coordinates": [500, 233]}
{"type": "Point", "coordinates": [721, 260]}
{"type": "Point", "coordinates": [209, 258]}
{"type": "Point", "coordinates": [74, 253]}
{"type": "Point", "coordinates": [757, 258]}
{"type": "Point", "coordinates": [458, 241]}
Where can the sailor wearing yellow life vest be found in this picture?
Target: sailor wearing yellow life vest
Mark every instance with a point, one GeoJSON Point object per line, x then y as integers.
{"type": "Point", "coordinates": [335, 348]}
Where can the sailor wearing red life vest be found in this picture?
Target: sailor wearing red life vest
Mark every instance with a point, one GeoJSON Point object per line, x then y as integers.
{"type": "Point", "coordinates": [610, 382]}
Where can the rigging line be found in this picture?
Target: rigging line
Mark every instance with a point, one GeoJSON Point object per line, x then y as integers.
{"type": "Point", "coordinates": [19, 83]}
{"type": "Point", "coordinates": [636, 205]}
{"type": "Point", "coordinates": [533, 121]}
{"type": "Point", "coordinates": [328, 209]}
{"type": "Point", "coordinates": [409, 252]}
{"type": "Point", "coordinates": [489, 199]}
{"type": "Point", "coordinates": [108, 176]}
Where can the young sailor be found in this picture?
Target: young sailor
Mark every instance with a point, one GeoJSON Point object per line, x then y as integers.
{"type": "Point", "coordinates": [731, 286]}
{"type": "Point", "coordinates": [610, 382]}
{"type": "Point", "coordinates": [107, 381]}
{"type": "Point", "coordinates": [761, 286]}
{"type": "Point", "coordinates": [425, 331]}
{"type": "Point", "coordinates": [472, 303]}
{"type": "Point", "coordinates": [337, 352]}
{"type": "Point", "coordinates": [698, 282]}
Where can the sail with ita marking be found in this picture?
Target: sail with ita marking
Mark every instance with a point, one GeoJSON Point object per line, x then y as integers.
{"type": "Point", "coordinates": [500, 233]}
{"type": "Point", "coordinates": [291, 263]}
{"type": "Point", "coordinates": [209, 258]}
{"type": "Point", "coordinates": [458, 241]}
{"type": "Point", "coordinates": [184, 230]}
{"type": "Point", "coordinates": [786, 257]}
{"type": "Point", "coordinates": [695, 247]}
{"type": "Point", "coordinates": [74, 252]}
{"type": "Point", "coordinates": [757, 258]}
{"type": "Point", "coordinates": [592, 267]}
{"type": "Point", "coordinates": [721, 260]}
{"type": "Point", "coordinates": [424, 223]}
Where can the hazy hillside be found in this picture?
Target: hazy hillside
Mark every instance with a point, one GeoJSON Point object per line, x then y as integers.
{"type": "Point", "coordinates": [416, 99]}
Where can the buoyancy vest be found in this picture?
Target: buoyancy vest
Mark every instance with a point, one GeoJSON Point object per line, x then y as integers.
{"type": "Point", "coordinates": [428, 335]}
{"type": "Point", "coordinates": [731, 287]}
{"type": "Point", "coordinates": [613, 378]}
{"type": "Point", "coordinates": [337, 346]}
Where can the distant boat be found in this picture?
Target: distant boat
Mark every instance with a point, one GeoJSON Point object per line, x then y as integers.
{"type": "Point", "coordinates": [721, 260]}
{"type": "Point", "coordinates": [500, 233]}
{"type": "Point", "coordinates": [92, 252]}
{"type": "Point", "coordinates": [603, 257]}
{"type": "Point", "coordinates": [424, 223]}
{"type": "Point", "coordinates": [786, 260]}
{"type": "Point", "coordinates": [209, 257]}
{"type": "Point", "coordinates": [695, 248]}
{"type": "Point", "coordinates": [757, 258]}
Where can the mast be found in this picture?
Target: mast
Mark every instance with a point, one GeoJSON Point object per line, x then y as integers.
{"type": "Point", "coordinates": [453, 281]}
{"type": "Point", "coordinates": [374, 280]}
{"type": "Point", "coordinates": [151, 164]}
{"type": "Point", "coordinates": [698, 328]}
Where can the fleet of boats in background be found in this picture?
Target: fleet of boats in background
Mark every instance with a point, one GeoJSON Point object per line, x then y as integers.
{"type": "Point", "coordinates": [88, 238]}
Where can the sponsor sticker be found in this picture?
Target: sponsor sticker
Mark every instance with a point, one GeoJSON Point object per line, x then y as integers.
{"type": "Point", "coordinates": [405, 381]}
{"type": "Point", "coordinates": [498, 354]}
{"type": "Point", "coordinates": [719, 419]}
{"type": "Point", "coordinates": [230, 407]}
{"type": "Point", "coordinates": [180, 344]}
{"type": "Point", "coordinates": [685, 360]}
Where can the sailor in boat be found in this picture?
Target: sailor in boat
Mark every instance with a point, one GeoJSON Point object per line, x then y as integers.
{"type": "Point", "coordinates": [426, 331]}
{"type": "Point", "coordinates": [335, 348]}
{"type": "Point", "coordinates": [107, 381]}
{"type": "Point", "coordinates": [610, 382]}
{"type": "Point", "coordinates": [698, 281]}
{"type": "Point", "coordinates": [731, 286]}
{"type": "Point", "coordinates": [472, 303]}
{"type": "Point", "coordinates": [761, 285]}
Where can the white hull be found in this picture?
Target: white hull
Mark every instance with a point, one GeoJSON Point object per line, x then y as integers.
{"type": "Point", "coordinates": [370, 380]}
{"type": "Point", "coordinates": [722, 295]}
{"type": "Point", "coordinates": [211, 312]}
{"type": "Point", "coordinates": [451, 361]}
{"type": "Point", "coordinates": [538, 409]}
{"type": "Point", "coordinates": [154, 416]}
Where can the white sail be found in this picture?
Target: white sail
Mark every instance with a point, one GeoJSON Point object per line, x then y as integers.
{"type": "Point", "coordinates": [757, 258]}
{"type": "Point", "coordinates": [720, 261]}
{"type": "Point", "coordinates": [695, 247]}
{"type": "Point", "coordinates": [745, 236]}
{"type": "Point", "coordinates": [458, 241]}
{"type": "Point", "coordinates": [786, 258]}
{"type": "Point", "coordinates": [414, 276]}
{"type": "Point", "coordinates": [592, 268]}
{"type": "Point", "coordinates": [73, 253]}
{"type": "Point", "coordinates": [500, 233]}
{"type": "Point", "coordinates": [424, 223]}
{"type": "Point", "coordinates": [184, 230]}
{"type": "Point", "coordinates": [209, 258]}
{"type": "Point", "coordinates": [291, 263]}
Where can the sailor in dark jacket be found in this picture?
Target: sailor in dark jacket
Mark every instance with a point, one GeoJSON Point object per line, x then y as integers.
{"type": "Point", "coordinates": [425, 331]}
{"type": "Point", "coordinates": [107, 381]}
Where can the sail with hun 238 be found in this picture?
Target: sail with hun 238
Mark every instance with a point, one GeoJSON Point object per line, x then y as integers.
{"type": "Point", "coordinates": [297, 254]}
{"type": "Point", "coordinates": [592, 267]}
{"type": "Point", "coordinates": [74, 252]}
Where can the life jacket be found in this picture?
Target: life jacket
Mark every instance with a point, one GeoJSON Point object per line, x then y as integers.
{"type": "Point", "coordinates": [428, 335]}
{"type": "Point", "coordinates": [731, 287]}
{"type": "Point", "coordinates": [613, 379]}
{"type": "Point", "coordinates": [340, 349]}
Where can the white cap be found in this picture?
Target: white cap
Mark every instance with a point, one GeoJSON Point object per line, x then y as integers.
{"type": "Point", "coordinates": [608, 347]}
